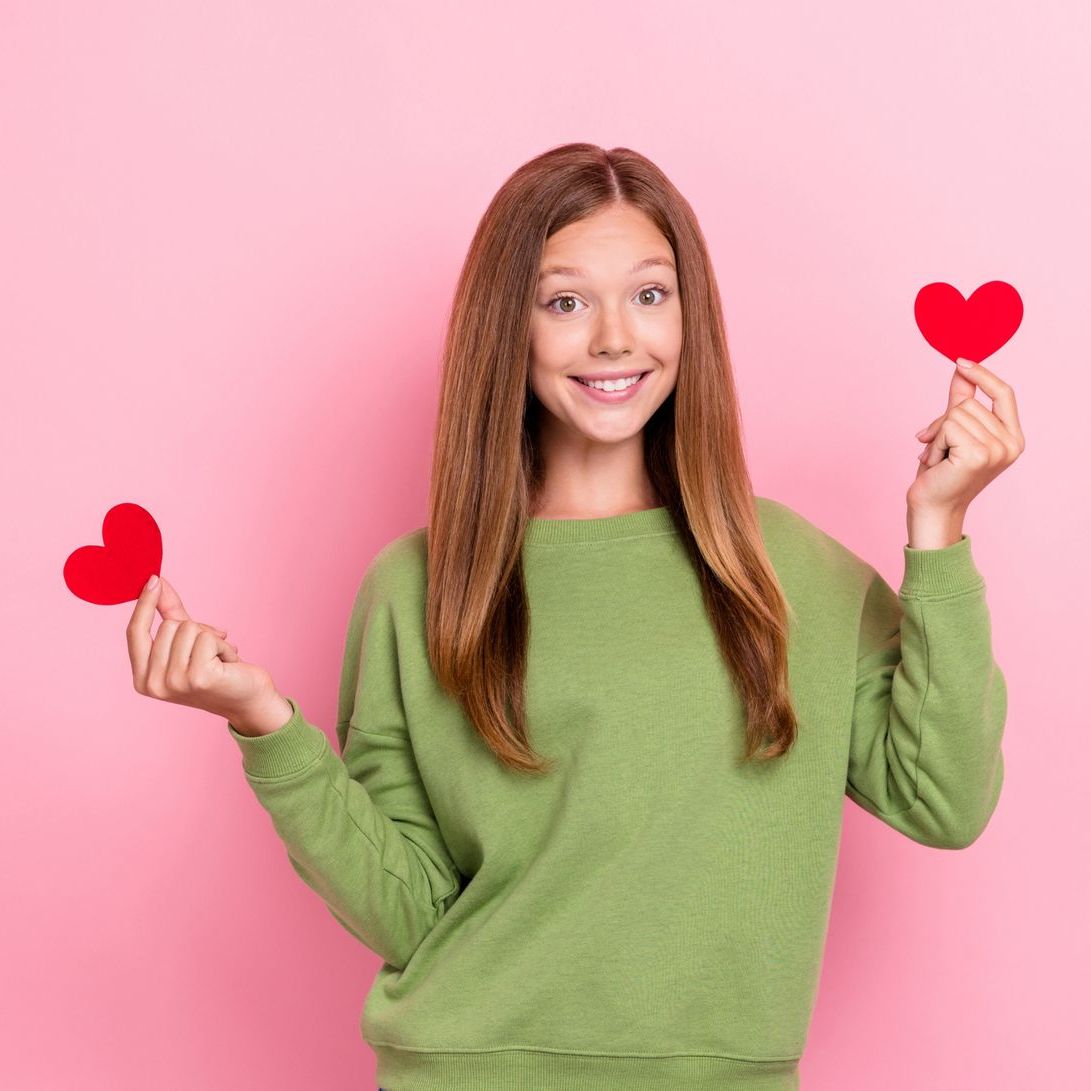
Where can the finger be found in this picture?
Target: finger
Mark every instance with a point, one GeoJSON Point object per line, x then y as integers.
{"type": "Point", "coordinates": [937, 450]}
{"type": "Point", "coordinates": [974, 430]}
{"type": "Point", "coordinates": [181, 649]}
{"type": "Point", "coordinates": [159, 657]}
{"type": "Point", "coordinates": [992, 430]}
{"type": "Point", "coordinates": [178, 611]}
{"type": "Point", "coordinates": [170, 604]}
{"type": "Point", "coordinates": [961, 388]}
{"type": "Point", "coordinates": [204, 649]}
{"type": "Point", "coordinates": [192, 645]}
{"type": "Point", "coordinates": [207, 650]}
{"type": "Point", "coordinates": [1002, 395]}
{"type": "Point", "coordinates": [956, 432]}
{"type": "Point", "coordinates": [929, 430]}
{"type": "Point", "coordinates": [138, 633]}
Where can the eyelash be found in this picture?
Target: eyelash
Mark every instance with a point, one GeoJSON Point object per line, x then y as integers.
{"type": "Point", "coordinates": [647, 288]}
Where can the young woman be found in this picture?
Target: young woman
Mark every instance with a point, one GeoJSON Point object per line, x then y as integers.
{"type": "Point", "coordinates": [597, 719]}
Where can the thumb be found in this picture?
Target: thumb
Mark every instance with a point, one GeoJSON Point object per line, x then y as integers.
{"type": "Point", "coordinates": [169, 603]}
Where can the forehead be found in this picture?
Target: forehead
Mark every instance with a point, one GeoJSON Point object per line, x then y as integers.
{"type": "Point", "coordinates": [652, 261]}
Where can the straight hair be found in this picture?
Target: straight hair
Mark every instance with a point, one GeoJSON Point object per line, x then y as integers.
{"type": "Point", "coordinates": [487, 469]}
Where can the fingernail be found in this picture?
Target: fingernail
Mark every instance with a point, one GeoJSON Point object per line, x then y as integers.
{"type": "Point", "coordinates": [920, 433]}
{"type": "Point", "coordinates": [152, 581]}
{"type": "Point", "coordinates": [964, 363]}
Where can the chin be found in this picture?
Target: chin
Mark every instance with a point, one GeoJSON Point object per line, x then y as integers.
{"type": "Point", "coordinates": [603, 432]}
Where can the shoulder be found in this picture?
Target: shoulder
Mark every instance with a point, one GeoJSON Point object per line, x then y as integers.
{"type": "Point", "coordinates": [398, 570]}
{"type": "Point", "coordinates": [783, 526]}
{"type": "Point", "coordinates": [796, 544]}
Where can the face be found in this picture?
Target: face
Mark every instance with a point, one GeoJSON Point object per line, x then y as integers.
{"type": "Point", "coordinates": [607, 313]}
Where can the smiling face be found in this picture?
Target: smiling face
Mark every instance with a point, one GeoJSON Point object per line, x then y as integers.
{"type": "Point", "coordinates": [613, 310]}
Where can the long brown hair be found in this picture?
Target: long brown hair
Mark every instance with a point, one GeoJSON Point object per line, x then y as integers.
{"type": "Point", "coordinates": [486, 468]}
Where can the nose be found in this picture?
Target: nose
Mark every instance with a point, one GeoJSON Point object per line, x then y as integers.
{"type": "Point", "coordinates": [612, 336]}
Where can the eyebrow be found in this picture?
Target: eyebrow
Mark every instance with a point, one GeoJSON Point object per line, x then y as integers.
{"type": "Point", "coordinates": [570, 271]}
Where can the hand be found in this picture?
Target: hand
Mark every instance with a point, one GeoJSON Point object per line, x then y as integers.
{"type": "Point", "coordinates": [189, 662]}
{"type": "Point", "coordinates": [968, 445]}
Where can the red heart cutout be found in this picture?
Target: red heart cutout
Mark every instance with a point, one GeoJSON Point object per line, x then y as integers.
{"type": "Point", "coordinates": [972, 328]}
{"type": "Point", "coordinates": [117, 570]}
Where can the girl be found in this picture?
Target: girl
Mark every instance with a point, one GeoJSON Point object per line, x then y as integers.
{"type": "Point", "coordinates": [597, 719]}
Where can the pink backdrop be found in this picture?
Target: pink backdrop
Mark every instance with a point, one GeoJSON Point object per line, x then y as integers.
{"type": "Point", "coordinates": [230, 237]}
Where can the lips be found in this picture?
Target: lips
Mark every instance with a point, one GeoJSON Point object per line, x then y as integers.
{"type": "Point", "coordinates": [609, 396]}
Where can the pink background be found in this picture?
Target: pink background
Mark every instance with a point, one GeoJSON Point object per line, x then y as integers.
{"type": "Point", "coordinates": [230, 236]}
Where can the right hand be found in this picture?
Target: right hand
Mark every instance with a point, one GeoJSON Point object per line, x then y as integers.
{"type": "Point", "coordinates": [189, 662]}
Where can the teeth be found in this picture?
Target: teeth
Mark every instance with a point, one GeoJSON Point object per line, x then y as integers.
{"type": "Point", "coordinates": [610, 384]}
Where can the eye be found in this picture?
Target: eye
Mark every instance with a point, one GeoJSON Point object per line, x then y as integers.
{"type": "Point", "coordinates": [655, 288]}
{"type": "Point", "coordinates": [568, 296]}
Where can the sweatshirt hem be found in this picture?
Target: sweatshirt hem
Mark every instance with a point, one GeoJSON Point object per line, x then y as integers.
{"type": "Point", "coordinates": [553, 1070]}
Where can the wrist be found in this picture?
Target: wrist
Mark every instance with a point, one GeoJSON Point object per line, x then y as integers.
{"type": "Point", "coordinates": [934, 529]}
{"type": "Point", "coordinates": [271, 716]}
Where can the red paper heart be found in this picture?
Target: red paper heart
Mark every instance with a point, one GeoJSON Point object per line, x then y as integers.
{"type": "Point", "coordinates": [972, 328]}
{"type": "Point", "coordinates": [117, 570]}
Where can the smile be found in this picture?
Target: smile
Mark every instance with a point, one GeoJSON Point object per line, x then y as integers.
{"type": "Point", "coordinates": [609, 396]}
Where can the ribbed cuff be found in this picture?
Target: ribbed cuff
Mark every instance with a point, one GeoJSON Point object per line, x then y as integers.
{"type": "Point", "coordinates": [290, 748]}
{"type": "Point", "coordinates": [939, 573]}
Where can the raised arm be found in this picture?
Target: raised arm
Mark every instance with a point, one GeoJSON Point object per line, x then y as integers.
{"type": "Point", "coordinates": [930, 702]}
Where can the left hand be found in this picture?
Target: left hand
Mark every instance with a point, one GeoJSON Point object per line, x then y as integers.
{"type": "Point", "coordinates": [968, 445]}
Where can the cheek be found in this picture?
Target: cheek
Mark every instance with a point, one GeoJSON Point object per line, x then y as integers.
{"type": "Point", "coordinates": [664, 340]}
{"type": "Point", "coordinates": [553, 349]}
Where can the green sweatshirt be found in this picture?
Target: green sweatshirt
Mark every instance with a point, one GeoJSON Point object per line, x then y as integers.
{"type": "Point", "coordinates": [653, 913]}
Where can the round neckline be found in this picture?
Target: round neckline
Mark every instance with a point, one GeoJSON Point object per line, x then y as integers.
{"type": "Point", "coordinates": [603, 528]}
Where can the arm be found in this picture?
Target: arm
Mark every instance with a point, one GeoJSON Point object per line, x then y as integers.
{"type": "Point", "coordinates": [930, 702]}
{"type": "Point", "coordinates": [358, 827]}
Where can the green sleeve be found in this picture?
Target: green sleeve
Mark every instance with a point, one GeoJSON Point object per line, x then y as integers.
{"type": "Point", "coordinates": [930, 702]}
{"type": "Point", "coordinates": [357, 826]}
